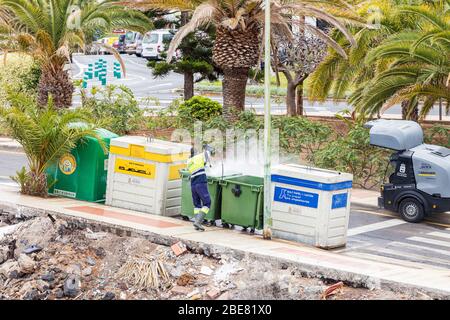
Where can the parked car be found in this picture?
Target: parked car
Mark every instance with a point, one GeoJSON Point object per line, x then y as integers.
{"type": "Point", "coordinates": [110, 41]}
{"type": "Point", "coordinates": [131, 42]}
{"type": "Point", "coordinates": [153, 43]}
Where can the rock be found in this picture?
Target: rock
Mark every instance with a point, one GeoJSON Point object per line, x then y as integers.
{"type": "Point", "coordinates": [26, 264]}
{"type": "Point", "coordinates": [39, 231]}
{"type": "Point", "coordinates": [179, 290]}
{"type": "Point", "coordinates": [213, 293]}
{"type": "Point", "coordinates": [95, 235]}
{"type": "Point", "coordinates": [59, 293]}
{"type": "Point", "coordinates": [7, 267]}
{"type": "Point", "coordinates": [49, 277]}
{"type": "Point", "coordinates": [41, 285]}
{"type": "Point", "coordinates": [109, 296]}
{"type": "Point", "coordinates": [72, 286]}
{"type": "Point", "coordinates": [193, 293]}
{"type": "Point", "coordinates": [90, 261]}
{"type": "Point", "coordinates": [86, 272]}
{"type": "Point", "coordinates": [224, 296]}
{"type": "Point", "coordinates": [207, 271]}
{"type": "Point", "coordinates": [33, 294]}
{"type": "Point", "coordinates": [196, 297]}
{"type": "Point", "coordinates": [74, 269]}
{"type": "Point", "coordinates": [3, 254]}
{"type": "Point", "coordinates": [123, 296]}
{"type": "Point", "coordinates": [100, 252]}
{"type": "Point", "coordinates": [14, 274]}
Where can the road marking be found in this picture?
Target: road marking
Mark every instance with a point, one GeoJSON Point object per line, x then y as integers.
{"type": "Point", "coordinates": [411, 256]}
{"type": "Point", "coordinates": [12, 152]}
{"type": "Point", "coordinates": [415, 246]}
{"type": "Point", "coordinates": [430, 241]}
{"type": "Point", "coordinates": [396, 217]}
{"type": "Point", "coordinates": [439, 234]}
{"type": "Point", "coordinates": [375, 226]}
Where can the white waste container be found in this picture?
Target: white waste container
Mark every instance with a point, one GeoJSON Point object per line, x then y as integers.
{"type": "Point", "coordinates": [311, 205]}
{"type": "Point", "coordinates": [143, 175]}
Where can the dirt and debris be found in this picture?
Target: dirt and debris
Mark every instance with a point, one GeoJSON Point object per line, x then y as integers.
{"type": "Point", "coordinates": [74, 263]}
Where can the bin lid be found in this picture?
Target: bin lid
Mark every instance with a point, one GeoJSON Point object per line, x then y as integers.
{"type": "Point", "coordinates": [310, 176]}
{"type": "Point", "coordinates": [142, 147]}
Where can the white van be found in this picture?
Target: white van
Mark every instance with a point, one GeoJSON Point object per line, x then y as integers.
{"type": "Point", "coordinates": [154, 43]}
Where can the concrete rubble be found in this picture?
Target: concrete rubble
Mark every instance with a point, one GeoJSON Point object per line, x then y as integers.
{"type": "Point", "coordinates": [77, 263]}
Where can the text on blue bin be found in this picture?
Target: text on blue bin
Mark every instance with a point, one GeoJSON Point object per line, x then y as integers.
{"type": "Point", "coordinates": [297, 197]}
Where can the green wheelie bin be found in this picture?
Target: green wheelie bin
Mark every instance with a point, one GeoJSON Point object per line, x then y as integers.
{"type": "Point", "coordinates": [242, 202]}
{"type": "Point", "coordinates": [81, 174]}
{"type": "Point", "coordinates": [187, 206]}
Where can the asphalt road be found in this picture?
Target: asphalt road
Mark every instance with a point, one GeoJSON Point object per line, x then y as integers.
{"type": "Point", "coordinates": [140, 79]}
{"type": "Point", "coordinates": [373, 234]}
{"type": "Point", "coordinates": [10, 163]}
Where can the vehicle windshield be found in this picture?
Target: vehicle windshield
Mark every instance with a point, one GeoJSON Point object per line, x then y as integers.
{"type": "Point", "coordinates": [150, 39]}
{"type": "Point", "coordinates": [129, 37]}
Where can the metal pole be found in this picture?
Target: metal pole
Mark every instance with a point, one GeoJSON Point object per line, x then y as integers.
{"type": "Point", "coordinates": [267, 234]}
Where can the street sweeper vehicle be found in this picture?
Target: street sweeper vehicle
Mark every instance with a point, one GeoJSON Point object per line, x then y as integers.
{"type": "Point", "coordinates": [419, 184]}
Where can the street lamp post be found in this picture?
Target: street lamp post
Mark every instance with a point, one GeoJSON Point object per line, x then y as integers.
{"type": "Point", "coordinates": [267, 234]}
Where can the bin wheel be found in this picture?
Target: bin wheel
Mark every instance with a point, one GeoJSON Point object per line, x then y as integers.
{"type": "Point", "coordinates": [210, 223]}
{"type": "Point", "coordinates": [411, 210]}
{"type": "Point", "coordinates": [225, 225]}
{"type": "Point", "coordinates": [244, 229]}
{"type": "Point", "coordinates": [252, 230]}
{"type": "Point", "coordinates": [185, 218]}
{"type": "Point", "coordinates": [231, 226]}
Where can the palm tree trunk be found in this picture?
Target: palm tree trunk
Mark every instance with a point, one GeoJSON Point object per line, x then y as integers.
{"type": "Point", "coordinates": [55, 82]}
{"type": "Point", "coordinates": [406, 115]}
{"type": "Point", "coordinates": [188, 85]}
{"type": "Point", "coordinates": [234, 84]}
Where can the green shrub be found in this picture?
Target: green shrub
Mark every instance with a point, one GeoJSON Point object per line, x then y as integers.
{"type": "Point", "coordinates": [20, 74]}
{"type": "Point", "coordinates": [199, 109]}
{"type": "Point", "coordinates": [301, 135]}
{"type": "Point", "coordinates": [114, 108]}
{"type": "Point", "coordinates": [164, 118]}
{"type": "Point", "coordinates": [439, 135]}
{"type": "Point", "coordinates": [353, 153]}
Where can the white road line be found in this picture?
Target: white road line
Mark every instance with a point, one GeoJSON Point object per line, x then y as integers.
{"type": "Point", "coordinates": [411, 256]}
{"type": "Point", "coordinates": [431, 241]}
{"type": "Point", "coordinates": [439, 234]}
{"type": "Point", "coordinates": [375, 226]}
{"type": "Point", "coordinates": [422, 248]}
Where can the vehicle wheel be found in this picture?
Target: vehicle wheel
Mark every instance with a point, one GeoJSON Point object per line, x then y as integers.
{"type": "Point", "coordinates": [411, 210]}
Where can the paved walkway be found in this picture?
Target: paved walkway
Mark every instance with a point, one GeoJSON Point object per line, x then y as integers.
{"type": "Point", "coordinates": [9, 144]}
{"type": "Point", "coordinates": [433, 281]}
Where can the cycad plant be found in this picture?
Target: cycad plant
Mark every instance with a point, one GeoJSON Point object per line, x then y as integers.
{"type": "Point", "coordinates": [51, 29]}
{"type": "Point", "coordinates": [239, 26]}
{"type": "Point", "coordinates": [45, 134]}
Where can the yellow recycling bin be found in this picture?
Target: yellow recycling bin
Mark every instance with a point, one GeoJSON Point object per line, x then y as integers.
{"type": "Point", "coordinates": [143, 175]}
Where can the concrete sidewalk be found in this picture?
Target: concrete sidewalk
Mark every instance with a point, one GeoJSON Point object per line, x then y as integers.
{"type": "Point", "coordinates": [163, 230]}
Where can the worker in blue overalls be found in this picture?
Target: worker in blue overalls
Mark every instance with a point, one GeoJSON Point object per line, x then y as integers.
{"type": "Point", "coordinates": [199, 185]}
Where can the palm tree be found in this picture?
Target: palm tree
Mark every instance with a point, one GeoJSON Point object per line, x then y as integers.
{"type": "Point", "coordinates": [46, 134]}
{"type": "Point", "coordinates": [357, 76]}
{"type": "Point", "coordinates": [418, 66]}
{"type": "Point", "coordinates": [51, 29]}
{"type": "Point", "coordinates": [239, 25]}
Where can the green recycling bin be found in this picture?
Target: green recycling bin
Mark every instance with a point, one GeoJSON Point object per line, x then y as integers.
{"type": "Point", "coordinates": [242, 201]}
{"type": "Point", "coordinates": [187, 206]}
{"type": "Point", "coordinates": [81, 174]}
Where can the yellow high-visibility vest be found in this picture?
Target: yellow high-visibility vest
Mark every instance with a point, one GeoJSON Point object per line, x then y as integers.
{"type": "Point", "coordinates": [196, 163]}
